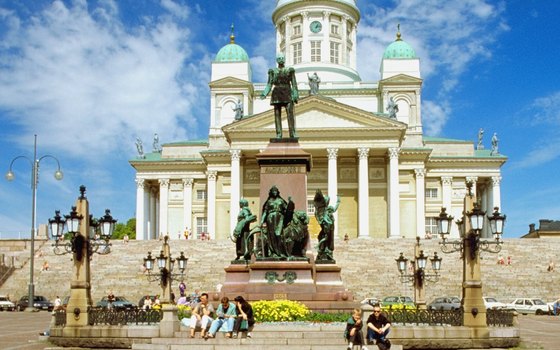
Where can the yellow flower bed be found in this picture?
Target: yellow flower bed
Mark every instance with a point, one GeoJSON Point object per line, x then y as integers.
{"type": "Point", "coordinates": [278, 310]}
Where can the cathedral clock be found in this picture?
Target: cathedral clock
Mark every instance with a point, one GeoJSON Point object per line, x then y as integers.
{"type": "Point", "coordinates": [315, 26]}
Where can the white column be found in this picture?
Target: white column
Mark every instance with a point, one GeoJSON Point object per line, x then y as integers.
{"type": "Point", "coordinates": [140, 210]}
{"type": "Point", "coordinates": [446, 182]}
{"type": "Point", "coordinates": [420, 201]}
{"type": "Point", "coordinates": [325, 42]}
{"type": "Point", "coordinates": [394, 197]}
{"type": "Point", "coordinates": [211, 205]}
{"type": "Point", "coordinates": [333, 182]}
{"type": "Point", "coordinates": [163, 206]}
{"type": "Point", "coordinates": [153, 224]}
{"type": "Point", "coordinates": [363, 193]}
{"type": "Point", "coordinates": [305, 44]}
{"type": "Point", "coordinates": [235, 187]}
{"type": "Point", "coordinates": [496, 193]}
{"type": "Point", "coordinates": [187, 204]}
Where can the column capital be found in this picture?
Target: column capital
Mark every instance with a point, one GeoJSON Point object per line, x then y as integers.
{"type": "Point", "coordinates": [140, 183]}
{"type": "Point", "coordinates": [394, 152]}
{"type": "Point", "coordinates": [363, 153]}
{"type": "Point", "coordinates": [212, 175]}
{"type": "Point", "coordinates": [326, 14]}
{"type": "Point", "coordinates": [447, 180]}
{"type": "Point", "coordinates": [472, 179]}
{"type": "Point", "coordinates": [188, 182]}
{"type": "Point", "coordinates": [332, 153]}
{"type": "Point", "coordinates": [496, 180]}
{"type": "Point", "coordinates": [305, 14]}
{"type": "Point", "coordinates": [420, 173]}
{"type": "Point", "coordinates": [235, 154]}
{"type": "Point", "coordinates": [163, 182]}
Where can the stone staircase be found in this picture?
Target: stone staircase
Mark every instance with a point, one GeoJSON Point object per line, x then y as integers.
{"type": "Point", "coordinates": [265, 336]}
{"type": "Point", "coordinates": [368, 269]}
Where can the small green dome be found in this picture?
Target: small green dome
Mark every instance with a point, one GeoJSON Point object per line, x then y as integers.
{"type": "Point", "coordinates": [232, 53]}
{"type": "Point", "coordinates": [399, 49]}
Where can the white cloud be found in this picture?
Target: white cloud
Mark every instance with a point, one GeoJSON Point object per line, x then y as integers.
{"type": "Point", "coordinates": [76, 67]}
{"type": "Point", "coordinates": [447, 36]}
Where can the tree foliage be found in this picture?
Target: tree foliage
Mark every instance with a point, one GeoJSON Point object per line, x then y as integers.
{"type": "Point", "coordinates": [125, 229]}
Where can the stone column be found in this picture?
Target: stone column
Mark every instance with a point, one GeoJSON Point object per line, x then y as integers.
{"type": "Point", "coordinates": [394, 196]}
{"type": "Point", "coordinates": [446, 183]}
{"type": "Point", "coordinates": [187, 203]}
{"type": "Point", "coordinates": [333, 182]}
{"type": "Point", "coordinates": [153, 224]}
{"type": "Point", "coordinates": [420, 202]}
{"type": "Point", "coordinates": [211, 203]}
{"type": "Point", "coordinates": [235, 188]}
{"type": "Point", "coordinates": [363, 193]}
{"type": "Point", "coordinates": [140, 210]}
{"type": "Point", "coordinates": [496, 192]}
{"type": "Point", "coordinates": [163, 206]}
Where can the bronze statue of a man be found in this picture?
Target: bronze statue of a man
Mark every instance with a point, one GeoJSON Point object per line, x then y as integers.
{"type": "Point", "coordinates": [284, 94]}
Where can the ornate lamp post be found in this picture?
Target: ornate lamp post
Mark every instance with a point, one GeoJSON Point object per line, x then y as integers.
{"type": "Point", "coordinates": [165, 264]}
{"type": "Point", "coordinates": [469, 245]}
{"type": "Point", "coordinates": [419, 275]}
{"type": "Point", "coordinates": [34, 181]}
{"type": "Point", "coordinates": [82, 229]}
{"type": "Point", "coordinates": [169, 324]}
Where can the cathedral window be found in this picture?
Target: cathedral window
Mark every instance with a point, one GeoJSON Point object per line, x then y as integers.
{"type": "Point", "coordinates": [315, 51]}
{"type": "Point", "coordinates": [431, 193]}
{"type": "Point", "coordinates": [335, 52]}
{"type": "Point", "coordinates": [334, 30]}
{"type": "Point", "coordinates": [296, 31]}
{"type": "Point", "coordinates": [201, 195]}
{"type": "Point", "coordinates": [201, 227]}
{"type": "Point", "coordinates": [431, 226]}
{"type": "Point", "coordinates": [296, 49]}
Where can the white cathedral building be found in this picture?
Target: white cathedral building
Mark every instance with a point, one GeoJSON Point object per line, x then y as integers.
{"type": "Point", "coordinates": [392, 179]}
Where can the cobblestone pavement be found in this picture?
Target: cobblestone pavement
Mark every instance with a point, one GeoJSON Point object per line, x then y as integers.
{"type": "Point", "coordinates": [20, 331]}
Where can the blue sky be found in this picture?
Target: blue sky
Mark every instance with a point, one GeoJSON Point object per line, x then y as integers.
{"type": "Point", "coordinates": [89, 77]}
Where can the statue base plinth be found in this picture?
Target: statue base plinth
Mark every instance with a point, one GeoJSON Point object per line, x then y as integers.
{"type": "Point", "coordinates": [319, 286]}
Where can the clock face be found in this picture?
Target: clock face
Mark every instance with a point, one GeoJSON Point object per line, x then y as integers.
{"type": "Point", "coordinates": [315, 26]}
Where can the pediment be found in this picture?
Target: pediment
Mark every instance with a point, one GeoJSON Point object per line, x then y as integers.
{"type": "Point", "coordinates": [229, 82]}
{"type": "Point", "coordinates": [400, 79]}
{"type": "Point", "coordinates": [317, 114]}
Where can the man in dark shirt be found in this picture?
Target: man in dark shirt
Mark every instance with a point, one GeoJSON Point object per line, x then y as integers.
{"type": "Point", "coordinates": [377, 328]}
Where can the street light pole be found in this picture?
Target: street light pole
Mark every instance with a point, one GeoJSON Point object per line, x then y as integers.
{"type": "Point", "coordinates": [34, 181]}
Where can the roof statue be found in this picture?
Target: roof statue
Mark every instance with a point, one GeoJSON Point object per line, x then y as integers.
{"type": "Point", "coordinates": [480, 135]}
{"type": "Point", "coordinates": [238, 109]}
{"type": "Point", "coordinates": [392, 108]}
{"type": "Point", "coordinates": [156, 146]}
{"type": "Point", "coordinates": [495, 141]}
{"type": "Point", "coordinates": [140, 148]}
{"type": "Point", "coordinates": [314, 82]}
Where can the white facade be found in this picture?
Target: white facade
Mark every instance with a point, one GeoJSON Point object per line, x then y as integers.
{"type": "Point", "coordinates": [392, 179]}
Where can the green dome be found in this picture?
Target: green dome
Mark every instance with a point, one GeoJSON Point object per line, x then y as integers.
{"type": "Point", "coordinates": [399, 49]}
{"type": "Point", "coordinates": [232, 53]}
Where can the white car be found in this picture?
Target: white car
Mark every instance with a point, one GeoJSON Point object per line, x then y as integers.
{"type": "Point", "coordinates": [371, 301]}
{"type": "Point", "coordinates": [493, 303]}
{"type": "Point", "coordinates": [6, 304]}
{"type": "Point", "coordinates": [529, 306]}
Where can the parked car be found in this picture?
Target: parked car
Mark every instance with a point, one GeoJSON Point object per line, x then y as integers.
{"type": "Point", "coordinates": [554, 307]}
{"type": "Point", "coordinates": [39, 303]}
{"type": "Point", "coordinates": [119, 303]}
{"type": "Point", "coordinates": [529, 306]}
{"type": "Point", "coordinates": [445, 303]}
{"type": "Point", "coordinates": [493, 303]}
{"type": "Point", "coordinates": [6, 304]}
{"type": "Point", "coordinates": [371, 301]}
{"type": "Point", "coordinates": [398, 302]}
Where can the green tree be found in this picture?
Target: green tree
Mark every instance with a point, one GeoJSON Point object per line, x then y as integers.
{"type": "Point", "coordinates": [125, 229]}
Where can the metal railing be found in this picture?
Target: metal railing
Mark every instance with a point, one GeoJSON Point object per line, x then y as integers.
{"type": "Point", "coordinates": [103, 316]}
{"type": "Point", "coordinates": [494, 317]}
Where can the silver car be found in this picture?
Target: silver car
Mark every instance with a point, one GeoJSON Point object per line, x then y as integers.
{"type": "Point", "coordinates": [529, 306]}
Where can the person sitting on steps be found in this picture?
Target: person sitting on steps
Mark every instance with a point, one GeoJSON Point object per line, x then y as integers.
{"type": "Point", "coordinates": [244, 313]}
{"type": "Point", "coordinates": [377, 328]}
{"type": "Point", "coordinates": [353, 332]}
{"type": "Point", "coordinates": [226, 315]}
{"type": "Point", "coordinates": [201, 316]}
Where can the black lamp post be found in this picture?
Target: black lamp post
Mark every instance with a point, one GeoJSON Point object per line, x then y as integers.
{"type": "Point", "coordinates": [419, 274]}
{"type": "Point", "coordinates": [10, 176]}
{"type": "Point", "coordinates": [72, 222]}
{"type": "Point", "coordinates": [165, 263]}
{"type": "Point", "coordinates": [469, 245]}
